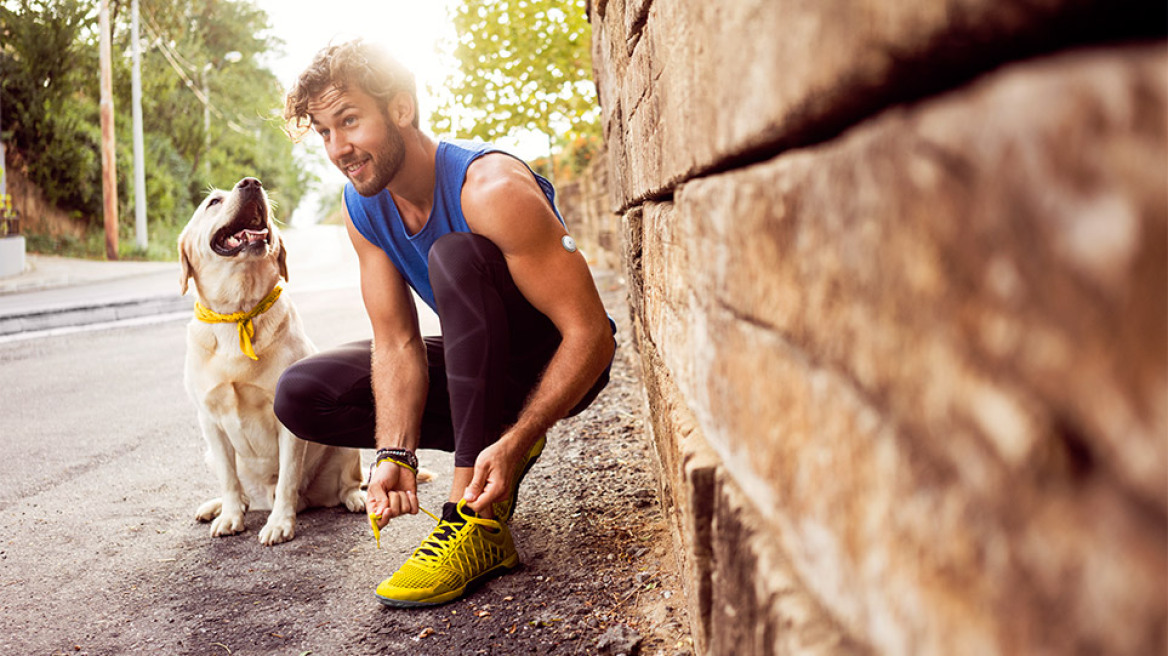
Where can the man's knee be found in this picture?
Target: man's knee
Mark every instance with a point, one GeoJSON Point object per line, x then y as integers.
{"type": "Point", "coordinates": [295, 395]}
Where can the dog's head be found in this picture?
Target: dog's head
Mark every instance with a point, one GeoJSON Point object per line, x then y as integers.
{"type": "Point", "coordinates": [231, 239]}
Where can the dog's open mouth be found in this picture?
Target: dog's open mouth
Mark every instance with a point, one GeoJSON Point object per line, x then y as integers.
{"type": "Point", "coordinates": [248, 230]}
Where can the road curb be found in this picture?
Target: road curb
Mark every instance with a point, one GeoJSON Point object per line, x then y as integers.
{"type": "Point", "coordinates": [67, 317]}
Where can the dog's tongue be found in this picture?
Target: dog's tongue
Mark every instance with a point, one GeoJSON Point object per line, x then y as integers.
{"type": "Point", "coordinates": [246, 237]}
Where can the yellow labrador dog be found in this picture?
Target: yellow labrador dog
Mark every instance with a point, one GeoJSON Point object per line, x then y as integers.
{"type": "Point", "coordinates": [243, 336]}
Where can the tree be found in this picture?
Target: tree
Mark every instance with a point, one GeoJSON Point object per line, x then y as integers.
{"type": "Point", "coordinates": [523, 65]}
{"type": "Point", "coordinates": [43, 58]}
{"type": "Point", "coordinates": [49, 81]}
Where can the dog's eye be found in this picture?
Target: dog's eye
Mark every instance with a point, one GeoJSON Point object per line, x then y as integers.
{"type": "Point", "coordinates": [214, 201]}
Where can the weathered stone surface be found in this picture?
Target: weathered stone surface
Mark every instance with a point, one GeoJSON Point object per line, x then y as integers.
{"type": "Point", "coordinates": [672, 428]}
{"type": "Point", "coordinates": [913, 370]}
{"type": "Point", "coordinates": [759, 606]}
{"type": "Point", "coordinates": [1015, 233]}
{"type": "Point", "coordinates": [932, 353]}
{"type": "Point", "coordinates": [692, 85]}
{"type": "Point", "coordinates": [740, 587]}
{"type": "Point", "coordinates": [583, 204]}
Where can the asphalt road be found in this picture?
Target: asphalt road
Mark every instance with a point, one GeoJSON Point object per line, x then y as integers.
{"type": "Point", "coordinates": [101, 471]}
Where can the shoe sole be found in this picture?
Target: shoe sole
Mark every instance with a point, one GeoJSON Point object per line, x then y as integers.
{"type": "Point", "coordinates": [498, 570]}
{"type": "Point", "coordinates": [515, 488]}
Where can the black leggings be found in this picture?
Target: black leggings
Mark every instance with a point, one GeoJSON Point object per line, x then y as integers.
{"type": "Point", "coordinates": [493, 349]}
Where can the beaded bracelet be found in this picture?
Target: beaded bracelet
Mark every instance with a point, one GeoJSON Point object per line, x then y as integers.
{"type": "Point", "coordinates": [400, 457]}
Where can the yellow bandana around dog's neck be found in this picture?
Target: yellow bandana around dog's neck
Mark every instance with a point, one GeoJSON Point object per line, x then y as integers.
{"type": "Point", "coordinates": [242, 320]}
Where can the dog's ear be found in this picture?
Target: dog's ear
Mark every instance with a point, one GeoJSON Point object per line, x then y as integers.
{"type": "Point", "coordinates": [282, 258]}
{"type": "Point", "coordinates": [186, 271]}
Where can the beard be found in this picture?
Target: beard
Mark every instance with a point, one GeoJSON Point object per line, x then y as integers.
{"type": "Point", "coordinates": [384, 164]}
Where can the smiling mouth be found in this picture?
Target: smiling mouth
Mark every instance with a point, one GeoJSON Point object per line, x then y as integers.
{"type": "Point", "coordinates": [353, 167]}
{"type": "Point", "coordinates": [247, 231]}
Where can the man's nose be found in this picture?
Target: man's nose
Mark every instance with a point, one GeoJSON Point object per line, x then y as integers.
{"type": "Point", "coordinates": [338, 146]}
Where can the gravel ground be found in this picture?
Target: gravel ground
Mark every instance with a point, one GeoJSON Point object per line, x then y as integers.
{"type": "Point", "coordinates": [599, 574]}
{"type": "Point", "coordinates": [137, 575]}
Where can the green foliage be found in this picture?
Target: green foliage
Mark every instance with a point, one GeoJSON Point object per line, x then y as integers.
{"type": "Point", "coordinates": [50, 91]}
{"type": "Point", "coordinates": [43, 62]}
{"type": "Point", "coordinates": [524, 65]}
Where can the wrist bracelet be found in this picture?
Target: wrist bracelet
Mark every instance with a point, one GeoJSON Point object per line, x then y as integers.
{"type": "Point", "coordinates": [400, 457]}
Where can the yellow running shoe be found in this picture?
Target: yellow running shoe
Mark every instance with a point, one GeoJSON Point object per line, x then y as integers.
{"type": "Point", "coordinates": [503, 510]}
{"type": "Point", "coordinates": [461, 552]}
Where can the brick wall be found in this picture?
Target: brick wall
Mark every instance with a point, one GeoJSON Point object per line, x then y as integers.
{"type": "Point", "coordinates": [898, 273]}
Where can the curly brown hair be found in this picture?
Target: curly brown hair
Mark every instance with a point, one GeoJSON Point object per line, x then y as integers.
{"type": "Point", "coordinates": [357, 62]}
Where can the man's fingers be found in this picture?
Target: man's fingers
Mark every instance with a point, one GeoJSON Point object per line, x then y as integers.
{"type": "Point", "coordinates": [375, 500]}
{"type": "Point", "coordinates": [488, 495]}
{"type": "Point", "coordinates": [476, 485]}
{"type": "Point", "coordinates": [396, 504]}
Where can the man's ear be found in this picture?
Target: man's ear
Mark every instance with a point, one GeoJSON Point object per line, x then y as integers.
{"type": "Point", "coordinates": [402, 109]}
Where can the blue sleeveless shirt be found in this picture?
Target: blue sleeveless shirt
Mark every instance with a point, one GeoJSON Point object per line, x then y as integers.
{"type": "Point", "coordinates": [377, 219]}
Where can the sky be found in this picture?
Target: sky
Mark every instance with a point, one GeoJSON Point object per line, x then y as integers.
{"type": "Point", "coordinates": [411, 30]}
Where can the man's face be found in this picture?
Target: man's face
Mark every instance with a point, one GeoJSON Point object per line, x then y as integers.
{"type": "Point", "coordinates": [359, 137]}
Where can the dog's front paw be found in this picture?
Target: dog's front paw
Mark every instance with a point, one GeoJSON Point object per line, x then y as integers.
{"type": "Point", "coordinates": [209, 510]}
{"type": "Point", "coordinates": [227, 524]}
{"type": "Point", "coordinates": [355, 501]}
{"type": "Point", "coordinates": [277, 530]}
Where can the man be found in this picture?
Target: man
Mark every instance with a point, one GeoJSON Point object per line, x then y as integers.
{"type": "Point", "coordinates": [525, 339]}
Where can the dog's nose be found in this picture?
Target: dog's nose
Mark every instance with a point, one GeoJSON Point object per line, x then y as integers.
{"type": "Point", "coordinates": [248, 182]}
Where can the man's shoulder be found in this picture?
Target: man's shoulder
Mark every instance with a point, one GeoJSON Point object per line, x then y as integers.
{"type": "Point", "coordinates": [497, 173]}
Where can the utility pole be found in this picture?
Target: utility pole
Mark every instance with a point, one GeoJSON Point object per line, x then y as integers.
{"type": "Point", "coordinates": [139, 157]}
{"type": "Point", "coordinates": [3, 184]}
{"type": "Point", "coordinates": [109, 184]}
{"type": "Point", "coordinates": [207, 124]}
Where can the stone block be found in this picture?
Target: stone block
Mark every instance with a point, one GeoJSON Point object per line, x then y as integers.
{"type": "Point", "coordinates": [632, 230]}
{"type": "Point", "coordinates": [991, 265]}
{"type": "Point", "coordinates": [700, 91]}
{"type": "Point", "coordinates": [742, 592]}
{"type": "Point", "coordinates": [758, 605]}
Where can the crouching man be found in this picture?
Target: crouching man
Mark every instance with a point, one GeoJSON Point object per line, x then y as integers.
{"type": "Point", "coordinates": [525, 339]}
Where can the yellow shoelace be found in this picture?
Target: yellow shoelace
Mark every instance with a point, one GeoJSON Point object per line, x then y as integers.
{"type": "Point", "coordinates": [373, 519]}
{"type": "Point", "coordinates": [243, 320]}
{"type": "Point", "coordinates": [435, 548]}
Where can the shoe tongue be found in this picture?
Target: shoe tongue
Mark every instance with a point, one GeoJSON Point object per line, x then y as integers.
{"type": "Point", "coordinates": [450, 512]}
{"type": "Point", "coordinates": [449, 515]}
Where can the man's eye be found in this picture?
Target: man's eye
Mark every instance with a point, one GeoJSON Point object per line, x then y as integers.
{"type": "Point", "coordinates": [350, 120]}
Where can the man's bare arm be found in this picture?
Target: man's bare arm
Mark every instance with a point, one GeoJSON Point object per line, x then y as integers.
{"type": "Point", "coordinates": [503, 203]}
{"type": "Point", "coordinates": [400, 377]}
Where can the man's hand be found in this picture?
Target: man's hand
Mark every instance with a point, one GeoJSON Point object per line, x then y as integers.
{"type": "Point", "coordinates": [493, 472]}
{"type": "Point", "coordinates": [393, 491]}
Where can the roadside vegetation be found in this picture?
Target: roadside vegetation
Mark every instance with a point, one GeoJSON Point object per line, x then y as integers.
{"type": "Point", "coordinates": [197, 56]}
{"type": "Point", "coordinates": [210, 104]}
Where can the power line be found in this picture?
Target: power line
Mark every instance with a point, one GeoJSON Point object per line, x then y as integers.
{"type": "Point", "coordinates": [172, 57]}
